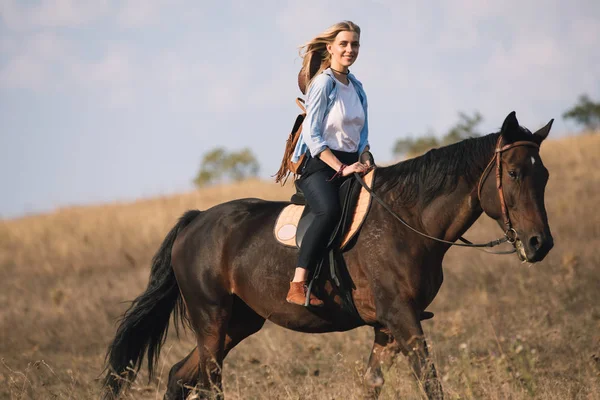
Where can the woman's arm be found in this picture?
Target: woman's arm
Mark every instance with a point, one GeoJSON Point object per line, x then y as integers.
{"type": "Point", "coordinates": [363, 145]}
{"type": "Point", "coordinates": [316, 104]}
{"type": "Point", "coordinates": [330, 159]}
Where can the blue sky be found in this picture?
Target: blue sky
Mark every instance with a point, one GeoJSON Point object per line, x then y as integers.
{"type": "Point", "coordinates": [117, 100]}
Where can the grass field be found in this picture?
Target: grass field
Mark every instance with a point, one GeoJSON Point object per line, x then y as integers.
{"type": "Point", "coordinates": [502, 330]}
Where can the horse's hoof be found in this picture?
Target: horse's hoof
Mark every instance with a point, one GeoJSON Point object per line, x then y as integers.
{"type": "Point", "coordinates": [374, 381]}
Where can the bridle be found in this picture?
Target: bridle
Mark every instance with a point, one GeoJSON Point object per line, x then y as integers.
{"type": "Point", "coordinates": [510, 235]}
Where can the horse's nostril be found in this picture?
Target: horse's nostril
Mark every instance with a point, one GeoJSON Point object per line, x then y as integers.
{"type": "Point", "coordinates": [535, 242]}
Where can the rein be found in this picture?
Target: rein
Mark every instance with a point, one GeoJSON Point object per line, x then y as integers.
{"type": "Point", "coordinates": [467, 243]}
{"type": "Point", "coordinates": [510, 235]}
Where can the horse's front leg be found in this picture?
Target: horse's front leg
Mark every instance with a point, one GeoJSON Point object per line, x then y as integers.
{"type": "Point", "coordinates": [385, 348]}
{"type": "Point", "coordinates": [405, 326]}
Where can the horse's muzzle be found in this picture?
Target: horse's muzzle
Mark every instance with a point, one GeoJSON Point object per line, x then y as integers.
{"type": "Point", "coordinates": [535, 247]}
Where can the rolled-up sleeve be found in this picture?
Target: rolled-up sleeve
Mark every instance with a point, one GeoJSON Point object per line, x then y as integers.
{"type": "Point", "coordinates": [316, 105]}
{"type": "Point", "coordinates": [364, 134]}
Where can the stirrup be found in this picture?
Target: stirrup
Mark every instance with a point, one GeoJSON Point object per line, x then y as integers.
{"type": "Point", "coordinates": [308, 290]}
{"type": "Point", "coordinates": [313, 278]}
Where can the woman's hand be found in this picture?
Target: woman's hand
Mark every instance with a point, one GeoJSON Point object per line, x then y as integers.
{"type": "Point", "coordinates": [356, 167]}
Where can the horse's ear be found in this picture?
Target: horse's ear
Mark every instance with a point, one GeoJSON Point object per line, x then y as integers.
{"type": "Point", "coordinates": [543, 132]}
{"type": "Point", "coordinates": [510, 127]}
{"type": "Point", "coordinates": [510, 123]}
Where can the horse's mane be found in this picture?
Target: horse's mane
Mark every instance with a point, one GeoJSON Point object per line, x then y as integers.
{"type": "Point", "coordinates": [436, 172]}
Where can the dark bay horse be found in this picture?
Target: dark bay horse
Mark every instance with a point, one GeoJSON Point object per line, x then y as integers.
{"type": "Point", "coordinates": [223, 273]}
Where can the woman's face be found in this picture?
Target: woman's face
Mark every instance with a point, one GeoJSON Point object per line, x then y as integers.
{"type": "Point", "coordinates": [344, 49]}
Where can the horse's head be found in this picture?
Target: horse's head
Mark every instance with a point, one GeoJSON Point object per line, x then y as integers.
{"type": "Point", "coordinates": [522, 180]}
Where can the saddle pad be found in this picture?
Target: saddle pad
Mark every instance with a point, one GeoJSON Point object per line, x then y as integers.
{"type": "Point", "coordinates": [287, 221]}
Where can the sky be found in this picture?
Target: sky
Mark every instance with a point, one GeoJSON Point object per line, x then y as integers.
{"type": "Point", "coordinates": [105, 100]}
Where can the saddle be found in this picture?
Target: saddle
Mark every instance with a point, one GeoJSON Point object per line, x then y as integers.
{"type": "Point", "coordinates": [294, 220]}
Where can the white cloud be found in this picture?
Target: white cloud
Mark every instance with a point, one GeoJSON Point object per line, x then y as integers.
{"type": "Point", "coordinates": [46, 61]}
{"type": "Point", "coordinates": [141, 13]}
{"type": "Point", "coordinates": [585, 33]}
{"type": "Point", "coordinates": [549, 61]}
{"type": "Point", "coordinates": [23, 73]}
{"type": "Point", "coordinates": [115, 68]}
{"type": "Point", "coordinates": [460, 23]}
{"type": "Point", "coordinates": [179, 79]}
{"type": "Point", "coordinates": [528, 51]}
{"type": "Point", "coordinates": [7, 45]}
{"type": "Point", "coordinates": [51, 13]}
{"type": "Point", "coordinates": [32, 60]}
{"type": "Point", "coordinates": [301, 20]}
{"type": "Point", "coordinates": [112, 78]}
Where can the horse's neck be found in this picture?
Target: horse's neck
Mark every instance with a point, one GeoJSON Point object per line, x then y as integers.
{"type": "Point", "coordinates": [450, 215]}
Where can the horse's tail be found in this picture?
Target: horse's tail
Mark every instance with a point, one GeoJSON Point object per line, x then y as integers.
{"type": "Point", "coordinates": [144, 326]}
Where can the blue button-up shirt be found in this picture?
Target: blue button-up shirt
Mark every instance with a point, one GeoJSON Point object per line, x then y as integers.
{"type": "Point", "coordinates": [319, 101]}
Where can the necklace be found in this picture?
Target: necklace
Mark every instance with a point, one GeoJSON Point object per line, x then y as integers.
{"type": "Point", "coordinates": [340, 72]}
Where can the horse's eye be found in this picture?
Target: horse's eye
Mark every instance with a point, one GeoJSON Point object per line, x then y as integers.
{"type": "Point", "coordinates": [512, 174]}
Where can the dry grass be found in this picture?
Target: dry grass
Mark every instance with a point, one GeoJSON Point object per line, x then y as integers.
{"type": "Point", "coordinates": [503, 330]}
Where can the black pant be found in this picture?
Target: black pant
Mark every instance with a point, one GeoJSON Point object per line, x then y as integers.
{"type": "Point", "coordinates": [322, 196]}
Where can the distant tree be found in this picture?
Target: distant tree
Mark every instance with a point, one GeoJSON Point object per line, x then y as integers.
{"type": "Point", "coordinates": [403, 146]}
{"type": "Point", "coordinates": [466, 127]}
{"type": "Point", "coordinates": [217, 163]}
{"type": "Point", "coordinates": [211, 168]}
{"type": "Point", "coordinates": [241, 165]}
{"type": "Point", "coordinates": [585, 113]}
{"type": "Point", "coordinates": [423, 144]}
{"type": "Point", "coordinates": [411, 147]}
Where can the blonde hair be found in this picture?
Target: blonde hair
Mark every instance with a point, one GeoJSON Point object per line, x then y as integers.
{"type": "Point", "coordinates": [315, 57]}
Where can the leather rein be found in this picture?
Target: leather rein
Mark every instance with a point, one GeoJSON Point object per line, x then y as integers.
{"type": "Point", "coordinates": [510, 235]}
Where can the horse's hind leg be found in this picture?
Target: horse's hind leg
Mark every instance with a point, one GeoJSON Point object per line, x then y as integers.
{"type": "Point", "coordinates": [211, 334]}
{"type": "Point", "coordinates": [185, 374]}
{"type": "Point", "coordinates": [200, 372]}
{"type": "Point", "coordinates": [230, 324]}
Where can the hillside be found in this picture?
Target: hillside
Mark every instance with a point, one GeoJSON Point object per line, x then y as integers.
{"type": "Point", "coordinates": [502, 329]}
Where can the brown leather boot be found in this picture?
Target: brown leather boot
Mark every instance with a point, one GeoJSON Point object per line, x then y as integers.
{"type": "Point", "coordinates": [297, 295]}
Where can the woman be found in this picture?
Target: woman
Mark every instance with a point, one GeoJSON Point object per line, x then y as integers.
{"type": "Point", "coordinates": [334, 134]}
